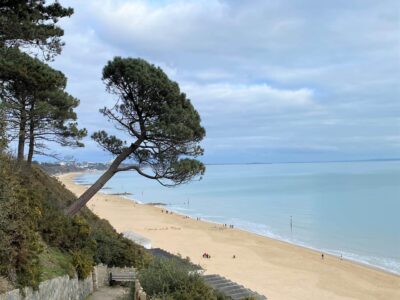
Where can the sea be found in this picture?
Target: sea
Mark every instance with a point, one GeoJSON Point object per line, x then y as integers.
{"type": "Point", "coordinates": [348, 209]}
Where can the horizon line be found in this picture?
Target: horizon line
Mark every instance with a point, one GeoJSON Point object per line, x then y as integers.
{"type": "Point", "coordinates": [307, 162]}
{"type": "Point", "coordinates": [267, 163]}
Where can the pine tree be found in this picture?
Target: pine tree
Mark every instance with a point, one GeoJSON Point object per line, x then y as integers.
{"type": "Point", "coordinates": [163, 126]}
{"type": "Point", "coordinates": [36, 106]}
{"type": "Point", "coordinates": [32, 25]}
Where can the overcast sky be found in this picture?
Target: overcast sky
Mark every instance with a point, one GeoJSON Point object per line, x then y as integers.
{"type": "Point", "coordinates": [274, 81]}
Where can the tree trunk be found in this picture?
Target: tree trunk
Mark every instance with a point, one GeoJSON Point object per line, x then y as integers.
{"type": "Point", "coordinates": [90, 192]}
{"type": "Point", "coordinates": [31, 136]}
{"type": "Point", "coordinates": [3, 134]}
{"type": "Point", "coordinates": [21, 134]}
{"type": "Point", "coordinates": [31, 143]}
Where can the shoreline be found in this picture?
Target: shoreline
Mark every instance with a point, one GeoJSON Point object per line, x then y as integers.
{"type": "Point", "coordinates": [316, 250]}
{"type": "Point", "coordinates": [275, 268]}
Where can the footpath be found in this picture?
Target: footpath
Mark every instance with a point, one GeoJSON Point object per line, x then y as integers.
{"type": "Point", "coordinates": [109, 293]}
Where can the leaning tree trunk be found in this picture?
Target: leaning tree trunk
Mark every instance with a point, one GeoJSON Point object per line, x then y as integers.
{"type": "Point", "coordinates": [90, 192]}
{"type": "Point", "coordinates": [21, 134]}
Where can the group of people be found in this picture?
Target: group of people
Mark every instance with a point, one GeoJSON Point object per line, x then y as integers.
{"type": "Point", "coordinates": [206, 255]}
{"type": "Point", "coordinates": [226, 225]}
{"type": "Point", "coordinates": [166, 211]}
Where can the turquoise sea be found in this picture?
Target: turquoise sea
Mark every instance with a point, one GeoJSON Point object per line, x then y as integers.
{"type": "Point", "coordinates": [350, 208]}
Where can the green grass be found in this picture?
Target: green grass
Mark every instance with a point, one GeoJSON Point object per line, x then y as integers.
{"type": "Point", "coordinates": [55, 263]}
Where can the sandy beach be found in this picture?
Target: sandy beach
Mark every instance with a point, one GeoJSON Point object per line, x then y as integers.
{"type": "Point", "coordinates": [276, 269]}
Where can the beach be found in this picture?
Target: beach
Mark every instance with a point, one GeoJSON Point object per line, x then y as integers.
{"type": "Point", "coordinates": [276, 269]}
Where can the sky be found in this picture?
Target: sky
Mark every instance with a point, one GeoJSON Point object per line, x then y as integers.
{"type": "Point", "coordinates": [273, 81]}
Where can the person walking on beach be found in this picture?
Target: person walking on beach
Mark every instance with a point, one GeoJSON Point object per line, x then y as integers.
{"type": "Point", "coordinates": [322, 256]}
{"type": "Point", "coordinates": [291, 224]}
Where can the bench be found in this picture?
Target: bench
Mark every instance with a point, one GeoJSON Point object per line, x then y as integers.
{"type": "Point", "coordinates": [122, 277]}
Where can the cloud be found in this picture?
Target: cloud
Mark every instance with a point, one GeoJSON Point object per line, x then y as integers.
{"type": "Point", "coordinates": [250, 98]}
{"type": "Point", "coordinates": [274, 80]}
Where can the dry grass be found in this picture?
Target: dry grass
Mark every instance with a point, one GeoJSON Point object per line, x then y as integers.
{"type": "Point", "coordinates": [5, 285]}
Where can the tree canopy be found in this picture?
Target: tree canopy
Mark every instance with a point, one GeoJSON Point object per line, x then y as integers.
{"type": "Point", "coordinates": [160, 130]}
{"type": "Point", "coordinates": [34, 97]}
{"type": "Point", "coordinates": [32, 93]}
{"type": "Point", "coordinates": [32, 24]}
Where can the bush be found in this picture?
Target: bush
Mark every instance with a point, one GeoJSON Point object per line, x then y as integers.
{"type": "Point", "coordinates": [112, 248]}
{"type": "Point", "coordinates": [83, 263]}
{"type": "Point", "coordinates": [19, 240]}
{"type": "Point", "coordinates": [169, 279]}
{"type": "Point", "coordinates": [31, 215]}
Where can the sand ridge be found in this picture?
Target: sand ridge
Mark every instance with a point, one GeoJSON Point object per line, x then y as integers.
{"type": "Point", "coordinates": [276, 269]}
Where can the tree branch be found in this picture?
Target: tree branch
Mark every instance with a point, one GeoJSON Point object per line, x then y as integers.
{"type": "Point", "coordinates": [137, 169]}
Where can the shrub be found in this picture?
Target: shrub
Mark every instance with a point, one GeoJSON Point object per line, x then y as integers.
{"type": "Point", "coordinates": [83, 263]}
{"type": "Point", "coordinates": [31, 215]}
{"type": "Point", "coordinates": [112, 248]}
{"type": "Point", "coordinates": [169, 279]}
{"type": "Point", "coordinates": [19, 240]}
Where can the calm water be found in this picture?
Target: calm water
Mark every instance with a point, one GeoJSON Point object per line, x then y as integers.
{"type": "Point", "coordinates": [351, 209]}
